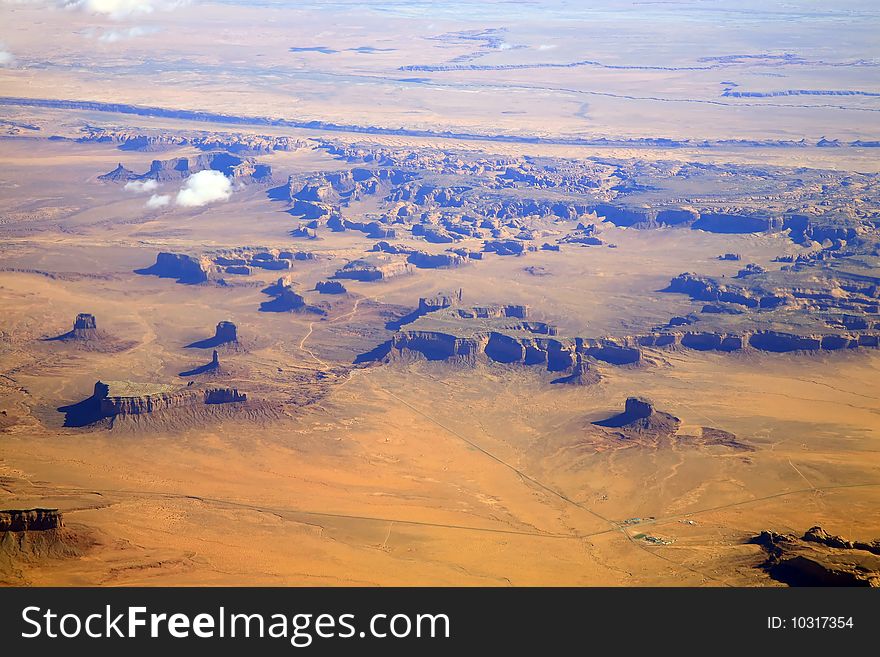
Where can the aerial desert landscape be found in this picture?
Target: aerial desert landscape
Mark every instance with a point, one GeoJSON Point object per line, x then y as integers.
{"type": "Point", "coordinates": [539, 293]}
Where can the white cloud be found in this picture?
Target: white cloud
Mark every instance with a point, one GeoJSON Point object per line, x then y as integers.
{"type": "Point", "coordinates": [6, 57]}
{"type": "Point", "coordinates": [112, 36]}
{"type": "Point", "coordinates": [139, 186]}
{"type": "Point", "coordinates": [115, 9]}
{"type": "Point", "coordinates": [546, 46]}
{"type": "Point", "coordinates": [204, 187]}
{"type": "Point", "coordinates": [158, 201]}
{"type": "Point", "coordinates": [121, 8]}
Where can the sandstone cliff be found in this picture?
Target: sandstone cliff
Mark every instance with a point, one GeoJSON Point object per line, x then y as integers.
{"type": "Point", "coordinates": [115, 398]}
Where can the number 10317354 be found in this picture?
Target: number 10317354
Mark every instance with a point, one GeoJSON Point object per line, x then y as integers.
{"type": "Point", "coordinates": [810, 623]}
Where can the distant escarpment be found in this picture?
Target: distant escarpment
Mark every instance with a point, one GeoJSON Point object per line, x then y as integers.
{"type": "Point", "coordinates": [241, 169]}
{"type": "Point", "coordinates": [819, 559]}
{"type": "Point", "coordinates": [516, 205]}
{"type": "Point", "coordinates": [240, 144]}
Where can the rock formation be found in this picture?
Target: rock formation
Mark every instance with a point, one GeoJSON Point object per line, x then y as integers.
{"type": "Point", "coordinates": [582, 374]}
{"type": "Point", "coordinates": [85, 328]}
{"type": "Point", "coordinates": [208, 368]}
{"type": "Point", "coordinates": [373, 269]}
{"type": "Point", "coordinates": [305, 232]}
{"type": "Point", "coordinates": [86, 336]}
{"type": "Point", "coordinates": [30, 536]}
{"type": "Point", "coordinates": [810, 307]}
{"type": "Point", "coordinates": [30, 520]}
{"type": "Point", "coordinates": [157, 141]}
{"type": "Point", "coordinates": [118, 175]}
{"type": "Point", "coordinates": [583, 234]}
{"type": "Point", "coordinates": [819, 559]}
{"type": "Point", "coordinates": [424, 260]}
{"type": "Point", "coordinates": [84, 325]}
{"type": "Point", "coordinates": [330, 287]}
{"type": "Point", "coordinates": [242, 169]}
{"type": "Point", "coordinates": [226, 333]}
{"type": "Point", "coordinates": [120, 398]}
{"type": "Point", "coordinates": [185, 268]}
{"type": "Point", "coordinates": [640, 416]}
{"type": "Point", "coordinates": [269, 260]}
{"type": "Point", "coordinates": [505, 247]}
{"type": "Point", "coordinates": [642, 425]}
{"type": "Point", "coordinates": [285, 299]}
{"type": "Point", "coordinates": [439, 301]}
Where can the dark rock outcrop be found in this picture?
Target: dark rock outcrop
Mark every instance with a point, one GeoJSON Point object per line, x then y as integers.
{"type": "Point", "coordinates": [819, 559]}
{"type": "Point", "coordinates": [30, 520]}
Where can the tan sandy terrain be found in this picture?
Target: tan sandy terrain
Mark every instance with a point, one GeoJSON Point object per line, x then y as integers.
{"type": "Point", "coordinates": [410, 469]}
